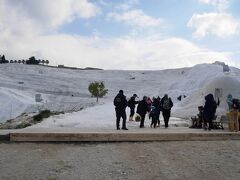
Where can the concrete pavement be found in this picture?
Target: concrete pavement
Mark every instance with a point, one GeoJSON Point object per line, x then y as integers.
{"type": "Point", "coordinates": [111, 135]}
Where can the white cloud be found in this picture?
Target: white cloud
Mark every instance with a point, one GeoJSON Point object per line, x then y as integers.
{"type": "Point", "coordinates": [23, 34]}
{"type": "Point", "coordinates": [221, 5]}
{"type": "Point", "coordinates": [118, 53]}
{"type": "Point", "coordinates": [135, 18]}
{"type": "Point", "coordinates": [43, 15]}
{"type": "Point", "coordinates": [128, 4]}
{"type": "Point", "coordinates": [219, 24]}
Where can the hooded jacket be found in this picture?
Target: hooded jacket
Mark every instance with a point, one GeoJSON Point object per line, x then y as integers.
{"type": "Point", "coordinates": [209, 107]}
{"type": "Point", "coordinates": [120, 102]}
{"type": "Point", "coordinates": [142, 107]}
{"type": "Point", "coordinates": [132, 102]}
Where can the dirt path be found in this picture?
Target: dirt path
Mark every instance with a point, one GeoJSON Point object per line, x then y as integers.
{"type": "Point", "coordinates": [153, 160]}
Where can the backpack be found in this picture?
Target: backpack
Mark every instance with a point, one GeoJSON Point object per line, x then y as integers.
{"type": "Point", "coordinates": [166, 104]}
{"type": "Point", "coordinates": [117, 101]}
{"type": "Point", "coordinates": [235, 104]}
{"type": "Point", "coordinates": [153, 110]}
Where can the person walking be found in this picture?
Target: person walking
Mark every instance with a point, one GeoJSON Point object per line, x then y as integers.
{"type": "Point", "coordinates": [157, 105]}
{"type": "Point", "coordinates": [149, 103]}
{"type": "Point", "coordinates": [166, 105]}
{"type": "Point", "coordinates": [209, 111]}
{"type": "Point", "coordinates": [142, 109]}
{"type": "Point", "coordinates": [229, 101]}
{"type": "Point", "coordinates": [230, 114]}
{"type": "Point", "coordinates": [120, 103]}
{"type": "Point", "coordinates": [154, 115]}
{"type": "Point", "coordinates": [131, 104]}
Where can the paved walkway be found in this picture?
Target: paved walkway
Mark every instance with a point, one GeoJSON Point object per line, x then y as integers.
{"type": "Point", "coordinates": [104, 130]}
{"type": "Point", "coordinates": [195, 160]}
{"type": "Point", "coordinates": [111, 135]}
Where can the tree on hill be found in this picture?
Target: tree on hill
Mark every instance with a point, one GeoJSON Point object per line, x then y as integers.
{"type": "Point", "coordinates": [97, 89]}
{"type": "Point", "coordinates": [3, 59]}
{"type": "Point", "coordinates": [32, 60]}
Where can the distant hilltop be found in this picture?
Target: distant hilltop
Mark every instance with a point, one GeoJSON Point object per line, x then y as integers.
{"type": "Point", "coordinates": [225, 66]}
{"type": "Point", "coordinates": [33, 61]}
{"type": "Point", "coordinates": [86, 68]}
{"type": "Point", "coordinates": [92, 68]}
{"type": "Point", "coordinates": [219, 63]}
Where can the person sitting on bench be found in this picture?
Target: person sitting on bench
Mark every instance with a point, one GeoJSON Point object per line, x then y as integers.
{"type": "Point", "coordinates": [197, 121]}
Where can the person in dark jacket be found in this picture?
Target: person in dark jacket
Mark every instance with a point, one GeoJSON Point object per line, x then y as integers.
{"type": "Point", "coordinates": [142, 109]}
{"type": "Point", "coordinates": [229, 101]}
{"type": "Point", "coordinates": [131, 104]}
{"type": "Point", "coordinates": [234, 114]}
{"type": "Point", "coordinates": [166, 105]}
{"type": "Point", "coordinates": [209, 111]}
{"type": "Point", "coordinates": [154, 115]}
{"type": "Point", "coordinates": [157, 105]}
{"type": "Point", "coordinates": [120, 103]}
{"type": "Point", "coordinates": [198, 121]}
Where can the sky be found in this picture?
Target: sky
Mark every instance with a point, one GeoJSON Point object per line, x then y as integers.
{"type": "Point", "coordinates": [122, 34]}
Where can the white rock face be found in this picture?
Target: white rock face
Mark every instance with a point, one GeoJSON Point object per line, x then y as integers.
{"type": "Point", "coordinates": [67, 90]}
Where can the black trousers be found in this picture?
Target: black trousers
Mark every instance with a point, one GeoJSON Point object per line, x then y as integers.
{"type": "Point", "coordinates": [119, 115]}
{"type": "Point", "coordinates": [166, 116]}
{"type": "Point", "coordinates": [142, 120]}
{"type": "Point", "coordinates": [131, 112]}
{"type": "Point", "coordinates": [158, 119]}
{"type": "Point", "coordinates": [208, 120]}
{"type": "Point", "coordinates": [154, 121]}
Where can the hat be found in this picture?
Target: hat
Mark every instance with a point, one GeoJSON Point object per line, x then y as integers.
{"type": "Point", "coordinates": [120, 91]}
{"type": "Point", "coordinates": [135, 95]}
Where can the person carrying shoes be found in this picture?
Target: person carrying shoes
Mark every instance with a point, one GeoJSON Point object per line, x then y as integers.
{"type": "Point", "coordinates": [142, 109]}
{"type": "Point", "coordinates": [131, 104]}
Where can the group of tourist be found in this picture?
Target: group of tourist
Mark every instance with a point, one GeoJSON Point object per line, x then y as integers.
{"type": "Point", "coordinates": [147, 105]}
{"type": "Point", "coordinates": [207, 112]}
{"type": "Point", "coordinates": [154, 106]}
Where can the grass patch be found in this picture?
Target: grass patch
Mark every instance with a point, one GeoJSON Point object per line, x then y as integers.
{"type": "Point", "coordinates": [43, 114]}
{"type": "Point", "coordinates": [24, 120]}
{"type": "Point", "coordinates": [22, 125]}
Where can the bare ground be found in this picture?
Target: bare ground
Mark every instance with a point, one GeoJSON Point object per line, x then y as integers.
{"type": "Point", "coordinates": [153, 160]}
